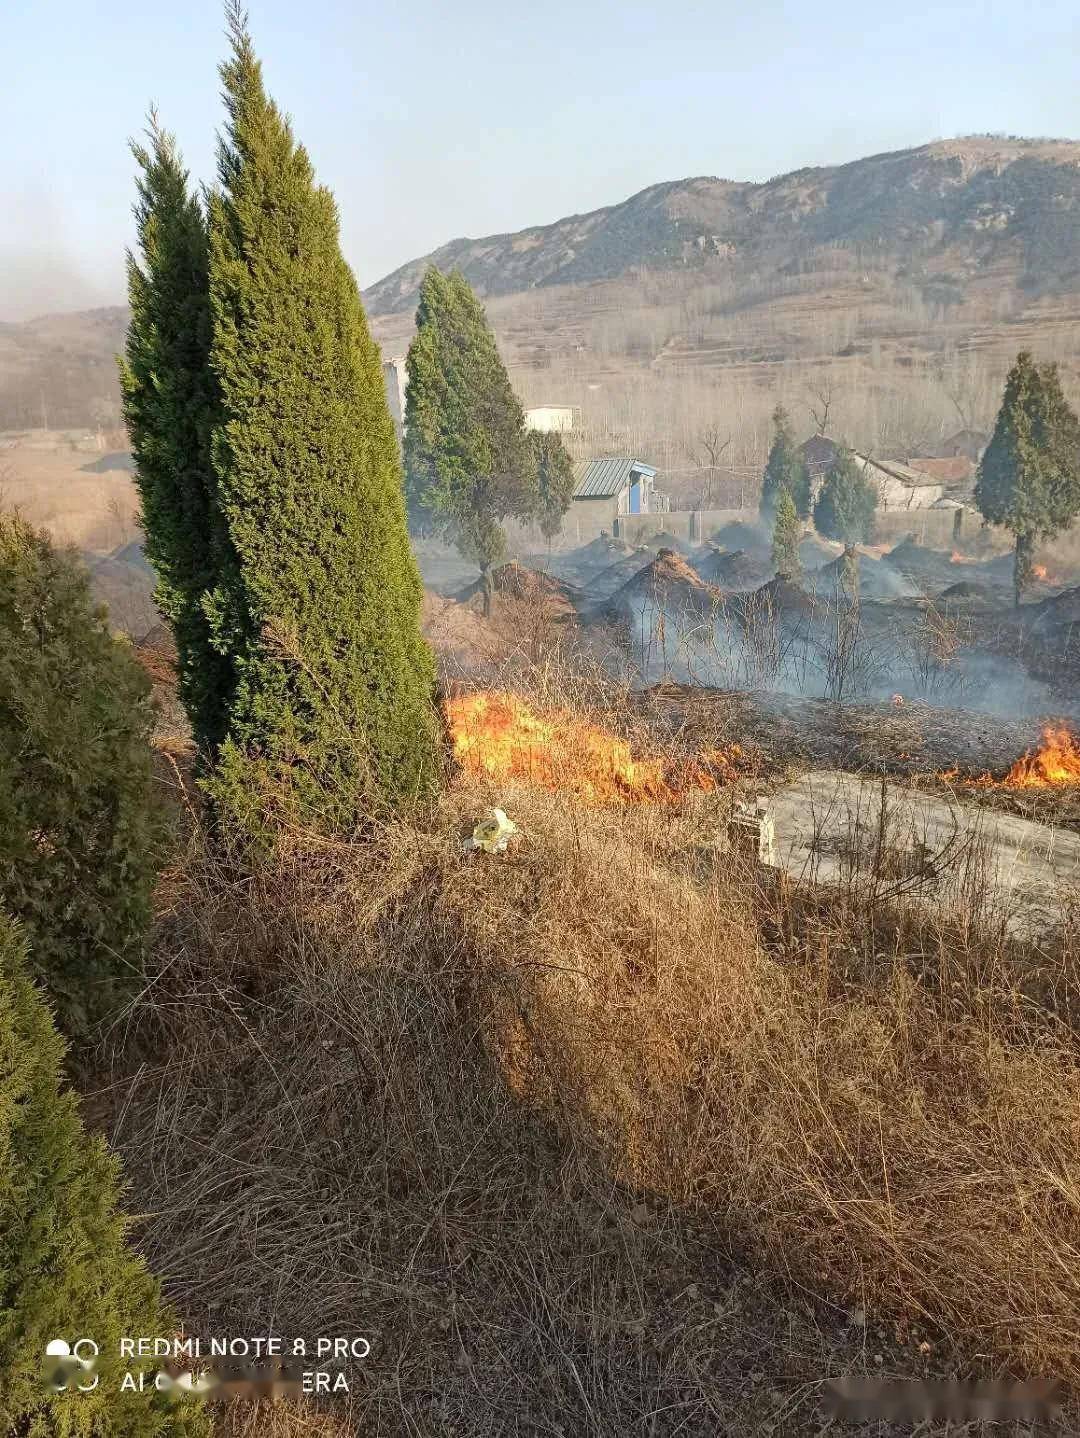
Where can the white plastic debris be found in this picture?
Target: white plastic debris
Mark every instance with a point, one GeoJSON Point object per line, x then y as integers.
{"type": "Point", "coordinates": [492, 834]}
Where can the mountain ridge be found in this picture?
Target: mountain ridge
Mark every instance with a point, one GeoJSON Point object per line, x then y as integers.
{"type": "Point", "coordinates": [888, 294]}
{"type": "Point", "coordinates": [984, 192]}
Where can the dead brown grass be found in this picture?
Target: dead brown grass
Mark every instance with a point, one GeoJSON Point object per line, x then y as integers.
{"type": "Point", "coordinates": [277, 1420]}
{"type": "Point", "coordinates": [94, 512]}
{"type": "Point", "coordinates": [877, 1138]}
{"type": "Point", "coordinates": [605, 1136]}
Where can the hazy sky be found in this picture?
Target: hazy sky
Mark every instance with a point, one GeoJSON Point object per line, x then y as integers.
{"type": "Point", "coordinates": [443, 118]}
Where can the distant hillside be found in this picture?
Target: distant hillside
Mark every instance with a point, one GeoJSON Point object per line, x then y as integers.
{"type": "Point", "coordinates": [972, 199]}
{"type": "Point", "coordinates": [884, 299]}
{"type": "Point", "coordinates": [59, 371]}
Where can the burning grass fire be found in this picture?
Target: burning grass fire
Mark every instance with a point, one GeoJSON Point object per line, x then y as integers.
{"type": "Point", "coordinates": [497, 735]}
{"type": "Point", "coordinates": [1056, 762]}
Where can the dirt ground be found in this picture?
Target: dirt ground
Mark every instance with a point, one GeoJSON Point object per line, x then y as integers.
{"type": "Point", "coordinates": [95, 512]}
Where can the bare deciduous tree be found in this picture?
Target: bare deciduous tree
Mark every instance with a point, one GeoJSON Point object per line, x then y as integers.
{"type": "Point", "coordinates": [708, 454]}
{"type": "Point", "coordinates": [712, 447]}
{"type": "Point", "coordinates": [119, 511]}
{"type": "Point", "coordinates": [819, 411]}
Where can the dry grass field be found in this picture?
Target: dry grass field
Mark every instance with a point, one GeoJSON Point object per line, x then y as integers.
{"type": "Point", "coordinates": [614, 1133]}
{"type": "Point", "coordinates": [96, 513]}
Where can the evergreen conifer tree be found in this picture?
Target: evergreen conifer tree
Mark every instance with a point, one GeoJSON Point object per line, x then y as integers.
{"type": "Point", "coordinates": [170, 405]}
{"type": "Point", "coordinates": [787, 531]}
{"type": "Point", "coordinates": [1029, 476]}
{"type": "Point", "coordinates": [81, 828]}
{"type": "Point", "coordinates": [555, 480]}
{"type": "Point", "coordinates": [785, 470]}
{"type": "Point", "coordinates": [845, 510]}
{"type": "Point", "coordinates": [66, 1271]}
{"type": "Point", "coordinates": [468, 461]}
{"type": "Point", "coordinates": [332, 705]}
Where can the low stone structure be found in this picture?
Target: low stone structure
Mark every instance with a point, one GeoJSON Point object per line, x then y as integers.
{"type": "Point", "coordinates": [752, 832]}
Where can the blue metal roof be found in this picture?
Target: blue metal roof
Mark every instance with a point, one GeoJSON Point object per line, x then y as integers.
{"type": "Point", "coordinates": [601, 478]}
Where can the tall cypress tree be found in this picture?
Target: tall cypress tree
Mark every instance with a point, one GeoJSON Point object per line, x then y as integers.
{"type": "Point", "coordinates": [787, 531]}
{"type": "Point", "coordinates": [468, 461]}
{"type": "Point", "coordinates": [785, 469]}
{"type": "Point", "coordinates": [170, 405]}
{"type": "Point", "coordinates": [1029, 476]}
{"type": "Point", "coordinates": [333, 697]}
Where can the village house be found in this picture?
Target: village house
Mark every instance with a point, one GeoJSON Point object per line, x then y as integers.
{"type": "Point", "coordinates": [818, 454]}
{"type": "Point", "coordinates": [547, 418]}
{"type": "Point", "coordinates": [898, 485]}
{"type": "Point", "coordinates": [969, 443]}
{"type": "Point", "coordinates": [605, 489]}
{"type": "Point", "coordinates": [955, 473]}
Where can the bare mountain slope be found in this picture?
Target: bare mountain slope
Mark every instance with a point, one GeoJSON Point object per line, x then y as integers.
{"type": "Point", "coordinates": [59, 371]}
{"type": "Point", "coordinates": [887, 296]}
{"type": "Point", "coordinates": [982, 197]}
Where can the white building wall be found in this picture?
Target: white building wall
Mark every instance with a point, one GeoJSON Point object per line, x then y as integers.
{"type": "Point", "coordinates": [549, 418]}
{"type": "Point", "coordinates": [396, 381]}
{"type": "Point", "coordinates": [897, 495]}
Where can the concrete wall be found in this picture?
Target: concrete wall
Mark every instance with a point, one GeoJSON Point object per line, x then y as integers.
{"type": "Point", "coordinates": [693, 525]}
{"type": "Point", "coordinates": [935, 529]}
{"type": "Point", "coordinates": [587, 517]}
{"type": "Point", "coordinates": [931, 527]}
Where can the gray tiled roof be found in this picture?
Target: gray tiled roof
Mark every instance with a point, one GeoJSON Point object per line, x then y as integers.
{"type": "Point", "coordinates": [599, 478]}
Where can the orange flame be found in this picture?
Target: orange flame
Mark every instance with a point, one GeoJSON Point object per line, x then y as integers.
{"type": "Point", "coordinates": [1054, 763]}
{"type": "Point", "coordinates": [497, 735]}
{"type": "Point", "coordinates": [957, 558]}
{"type": "Point", "coordinates": [1039, 571]}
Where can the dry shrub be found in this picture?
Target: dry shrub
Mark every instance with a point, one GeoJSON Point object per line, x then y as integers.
{"type": "Point", "coordinates": [523, 1121]}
